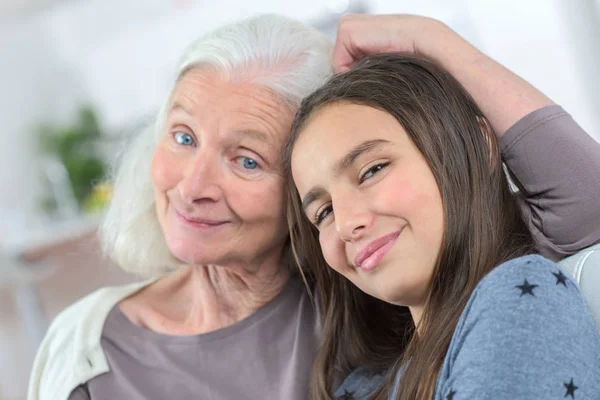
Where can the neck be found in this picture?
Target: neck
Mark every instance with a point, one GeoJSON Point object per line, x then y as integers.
{"type": "Point", "coordinates": [201, 299]}
{"type": "Point", "coordinates": [416, 312]}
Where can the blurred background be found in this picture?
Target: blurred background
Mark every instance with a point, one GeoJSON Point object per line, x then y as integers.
{"type": "Point", "coordinates": [78, 77]}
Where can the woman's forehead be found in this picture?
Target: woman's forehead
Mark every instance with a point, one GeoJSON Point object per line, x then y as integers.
{"type": "Point", "coordinates": [206, 98]}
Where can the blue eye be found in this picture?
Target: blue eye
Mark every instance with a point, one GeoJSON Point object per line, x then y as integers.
{"type": "Point", "coordinates": [184, 139]}
{"type": "Point", "coordinates": [248, 163]}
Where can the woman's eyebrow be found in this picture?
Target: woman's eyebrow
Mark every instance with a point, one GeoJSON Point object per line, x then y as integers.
{"type": "Point", "coordinates": [254, 134]}
{"type": "Point", "coordinates": [367, 146]}
{"type": "Point", "coordinates": [179, 107]}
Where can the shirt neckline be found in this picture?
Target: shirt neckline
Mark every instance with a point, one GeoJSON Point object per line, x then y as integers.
{"type": "Point", "coordinates": [117, 321]}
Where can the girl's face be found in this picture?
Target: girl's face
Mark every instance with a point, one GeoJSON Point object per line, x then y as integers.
{"type": "Point", "coordinates": [374, 200]}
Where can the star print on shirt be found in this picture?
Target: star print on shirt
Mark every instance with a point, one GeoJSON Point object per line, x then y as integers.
{"type": "Point", "coordinates": [560, 278]}
{"type": "Point", "coordinates": [347, 395]}
{"type": "Point", "coordinates": [450, 395]}
{"type": "Point", "coordinates": [571, 388]}
{"type": "Point", "coordinates": [526, 288]}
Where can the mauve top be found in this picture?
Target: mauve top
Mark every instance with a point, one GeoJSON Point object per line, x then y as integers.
{"type": "Point", "coordinates": [265, 356]}
{"type": "Point", "coordinates": [269, 354]}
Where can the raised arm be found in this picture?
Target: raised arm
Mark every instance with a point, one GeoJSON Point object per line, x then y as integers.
{"type": "Point", "coordinates": [503, 96]}
{"type": "Point", "coordinates": [553, 161]}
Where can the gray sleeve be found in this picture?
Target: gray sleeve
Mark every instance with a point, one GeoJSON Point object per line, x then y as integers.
{"type": "Point", "coordinates": [526, 333]}
{"type": "Point", "coordinates": [556, 166]}
{"type": "Point", "coordinates": [80, 393]}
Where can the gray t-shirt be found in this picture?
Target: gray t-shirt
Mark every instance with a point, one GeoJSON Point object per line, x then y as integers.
{"type": "Point", "coordinates": [555, 164]}
{"type": "Point", "coordinates": [265, 356]}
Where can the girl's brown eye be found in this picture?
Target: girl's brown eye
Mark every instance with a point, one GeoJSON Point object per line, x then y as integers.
{"type": "Point", "coordinates": [372, 171]}
{"type": "Point", "coordinates": [322, 214]}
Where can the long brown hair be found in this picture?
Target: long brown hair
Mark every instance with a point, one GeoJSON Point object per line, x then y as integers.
{"type": "Point", "coordinates": [482, 226]}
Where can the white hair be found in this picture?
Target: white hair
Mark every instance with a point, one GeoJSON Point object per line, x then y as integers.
{"type": "Point", "coordinates": [279, 53]}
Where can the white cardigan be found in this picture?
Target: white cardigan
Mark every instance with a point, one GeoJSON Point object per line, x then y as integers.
{"type": "Point", "coordinates": [70, 353]}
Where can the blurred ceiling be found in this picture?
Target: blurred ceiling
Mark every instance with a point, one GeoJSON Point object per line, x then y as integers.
{"type": "Point", "coordinates": [22, 8]}
{"type": "Point", "coordinates": [14, 9]}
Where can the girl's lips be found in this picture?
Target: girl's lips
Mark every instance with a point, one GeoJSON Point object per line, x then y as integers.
{"type": "Point", "coordinates": [372, 253]}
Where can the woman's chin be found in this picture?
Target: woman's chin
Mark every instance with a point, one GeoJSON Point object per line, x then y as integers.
{"type": "Point", "coordinates": [192, 255]}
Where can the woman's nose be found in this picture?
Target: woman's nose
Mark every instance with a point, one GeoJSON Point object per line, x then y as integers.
{"type": "Point", "coordinates": [202, 179]}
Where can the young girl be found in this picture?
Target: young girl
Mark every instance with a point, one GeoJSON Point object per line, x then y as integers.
{"type": "Point", "coordinates": [425, 271]}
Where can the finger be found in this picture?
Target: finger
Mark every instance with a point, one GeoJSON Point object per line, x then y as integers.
{"type": "Point", "coordinates": [345, 51]}
{"type": "Point", "coordinates": [342, 57]}
{"type": "Point", "coordinates": [348, 56]}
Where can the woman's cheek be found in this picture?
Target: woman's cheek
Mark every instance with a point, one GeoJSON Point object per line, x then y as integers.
{"type": "Point", "coordinates": [164, 168]}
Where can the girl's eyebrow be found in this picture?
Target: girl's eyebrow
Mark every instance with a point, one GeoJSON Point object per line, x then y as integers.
{"type": "Point", "coordinates": [343, 164]}
{"type": "Point", "coordinates": [367, 146]}
{"type": "Point", "coordinates": [312, 195]}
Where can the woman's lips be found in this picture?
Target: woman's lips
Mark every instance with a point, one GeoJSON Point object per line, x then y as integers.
{"type": "Point", "coordinates": [199, 222]}
{"type": "Point", "coordinates": [371, 254]}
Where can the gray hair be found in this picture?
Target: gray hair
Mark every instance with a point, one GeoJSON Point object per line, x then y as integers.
{"type": "Point", "coordinates": [279, 53]}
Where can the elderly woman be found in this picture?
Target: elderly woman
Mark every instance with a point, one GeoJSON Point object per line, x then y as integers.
{"type": "Point", "coordinates": [199, 207]}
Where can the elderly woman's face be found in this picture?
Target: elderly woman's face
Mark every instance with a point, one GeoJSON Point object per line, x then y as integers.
{"type": "Point", "coordinates": [217, 174]}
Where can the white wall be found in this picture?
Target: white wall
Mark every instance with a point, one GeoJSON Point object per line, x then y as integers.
{"type": "Point", "coordinates": [128, 65]}
{"type": "Point", "coordinates": [547, 42]}
{"type": "Point", "coordinates": [35, 87]}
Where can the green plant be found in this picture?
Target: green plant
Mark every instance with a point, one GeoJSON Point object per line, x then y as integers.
{"type": "Point", "coordinates": [76, 146]}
